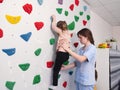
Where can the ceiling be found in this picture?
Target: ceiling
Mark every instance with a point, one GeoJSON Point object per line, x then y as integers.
{"type": "Point", "coordinates": [109, 10]}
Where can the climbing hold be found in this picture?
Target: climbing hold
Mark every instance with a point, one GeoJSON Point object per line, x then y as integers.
{"type": "Point", "coordinates": [40, 2]}
{"type": "Point", "coordinates": [77, 2]}
{"type": "Point", "coordinates": [52, 41]}
{"type": "Point", "coordinates": [50, 64]}
{"type": "Point", "coordinates": [9, 51]}
{"type": "Point", "coordinates": [66, 13]}
{"type": "Point", "coordinates": [60, 2]}
{"type": "Point", "coordinates": [26, 36]}
{"type": "Point", "coordinates": [25, 66]}
{"type": "Point", "coordinates": [81, 13]}
{"type": "Point", "coordinates": [85, 8]}
{"type": "Point", "coordinates": [59, 10]}
{"type": "Point", "coordinates": [66, 63]}
{"type": "Point", "coordinates": [38, 51]}
{"type": "Point", "coordinates": [65, 84]}
{"type": "Point", "coordinates": [71, 26]}
{"type": "Point", "coordinates": [1, 33]}
{"type": "Point", "coordinates": [10, 85]}
{"type": "Point", "coordinates": [75, 44]}
{"type": "Point", "coordinates": [88, 17]}
{"type": "Point", "coordinates": [36, 79]}
{"type": "Point", "coordinates": [84, 22]}
{"type": "Point", "coordinates": [27, 8]}
{"type": "Point", "coordinates": [70, 72]}
{"type": "Point", "coordinates": [71, 7]}
{"type": "Point", "coordinates": [1, 1]}
{"type": "Point", "coordinates": [39, 25]}
{"type": "Point", "coordinates": [76, 18]}
{"type": "Point", "coordinates": [13, 19]}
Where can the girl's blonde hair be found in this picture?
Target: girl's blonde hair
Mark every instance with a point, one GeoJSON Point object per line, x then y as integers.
{"type": "Point", "coordinates": [62, 25]}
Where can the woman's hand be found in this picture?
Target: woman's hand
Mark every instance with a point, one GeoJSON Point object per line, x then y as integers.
{"type": "Point", "coordinates": [69, 66]}
{"type": "Point", "coordinates": [63, 44]}
{"type": "Point", "coordinates": [63, 67]}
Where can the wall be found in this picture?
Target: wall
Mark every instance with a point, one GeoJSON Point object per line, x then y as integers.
{"type": "Point", "coordinates": [102, 67]}
{"type": "Point", "coordinates": [101, 29]}
{"type": "Point", "coordinates": [27, 44]}
{"type": "Point", "coordinates": [116, 35]}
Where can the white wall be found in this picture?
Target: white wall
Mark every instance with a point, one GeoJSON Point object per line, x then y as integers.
{"type": "Point", "coordinates": [101, 29]}
{"type": "Point", "coordinates": [24, 50]}
{"type": "Point", "coordinates": [14, 50]}
{"type": "Point", "coordinates": [116, 35]}
{"type": "Point", "coordinates": [102, 67]}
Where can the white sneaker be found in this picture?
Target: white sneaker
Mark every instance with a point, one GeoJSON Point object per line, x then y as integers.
{"type": "Point", "coordinates": [52, 87]}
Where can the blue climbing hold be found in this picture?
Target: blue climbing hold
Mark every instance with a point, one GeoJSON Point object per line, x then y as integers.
{"type": "Point", "coordinates": [9, 51]}
{"type": "Point", "coordinates": [26, 36]}
{"type": "Point", "coordinates": [70, 72]}
{"type": "Point", "coordinates": [40, 2]}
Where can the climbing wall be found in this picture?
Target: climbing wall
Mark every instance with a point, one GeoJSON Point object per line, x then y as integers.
{"type": "Point", "coordinates": [27, 43]}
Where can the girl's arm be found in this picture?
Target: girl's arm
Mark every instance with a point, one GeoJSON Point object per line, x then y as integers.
{"type": "Point", "coordinates": [66, 67]}
{"type": "Point", "coordinates": [54, 27]}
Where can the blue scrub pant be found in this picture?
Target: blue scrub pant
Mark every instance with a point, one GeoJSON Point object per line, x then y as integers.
{"type": "Point", "coordinates": [84, 87]}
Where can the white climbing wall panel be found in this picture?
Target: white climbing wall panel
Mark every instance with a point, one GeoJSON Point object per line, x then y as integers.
{"type": "Point", "coordinates": [27, 43]}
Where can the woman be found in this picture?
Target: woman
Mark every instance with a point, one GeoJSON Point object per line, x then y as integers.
{"type": "Point", "coordinates": [84, 61]}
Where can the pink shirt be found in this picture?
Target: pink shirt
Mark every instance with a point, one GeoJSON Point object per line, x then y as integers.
{"type": "Point", "coordinates": [65, 36]}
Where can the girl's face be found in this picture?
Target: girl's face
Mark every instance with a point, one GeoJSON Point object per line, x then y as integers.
{"type": "Point", "coordinates": [83, 39]}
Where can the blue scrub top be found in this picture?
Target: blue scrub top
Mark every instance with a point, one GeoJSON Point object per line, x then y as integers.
{"type": "Point", "coordinates": [85, 71]}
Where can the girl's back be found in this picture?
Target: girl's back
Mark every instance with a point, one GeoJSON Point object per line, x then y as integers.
{"type": "Point", "coordinates": [65, 35]}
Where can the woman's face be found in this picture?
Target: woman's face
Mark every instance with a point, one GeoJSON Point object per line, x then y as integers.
{"type": "Point", "coordinates": [83, 39]}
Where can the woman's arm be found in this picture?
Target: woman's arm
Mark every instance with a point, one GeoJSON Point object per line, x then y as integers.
{"type": "Point", "coordinates": [66, 67]}
{"type": "Point", "coordinates": [54, 27]}
{"type": "Point", "coordinates": [73, 54]}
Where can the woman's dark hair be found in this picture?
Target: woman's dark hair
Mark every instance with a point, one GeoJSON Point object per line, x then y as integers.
{"type": "Point", "coordinates": [96, 75]}
{"type": "Point", "coordinates": [86, 33]}
{"type": "Point", "coordinates": [62, 25]}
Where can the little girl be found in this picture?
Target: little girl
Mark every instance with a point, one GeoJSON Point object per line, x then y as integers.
{"type": "Point", "coordinates": [61, 55]}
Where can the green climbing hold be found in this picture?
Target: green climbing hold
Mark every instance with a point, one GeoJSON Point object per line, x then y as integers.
{"type": "Point", "coordinates": [37, 52]}
{"type": "Point", "coordinates": [50, 89]}
{"type": "Point", "coordinates": [76, 18]}
{"type": "Point", "coordinates": [52, 41]}
{"type": "Point", "coordinates": [88, 17]}
{"type": "Point", "coordinates": [66, 13]}
{"type": "Point", "coordinates": [71, 26]}
{"type": "Point", "coordinates": [25, 66]}
{"type": "Point", "coordinates": [81, 13]}
{"type": "Point", "coordinates": [37, 79]}
{"type": "Point", "coordinates": [66, 63]}
{"type": "Point", "coordinates": [59, 76]}
{"type": "Point", "coordinates": [10, 85]}
{"type": "Point", "coordinates": [59, 10]}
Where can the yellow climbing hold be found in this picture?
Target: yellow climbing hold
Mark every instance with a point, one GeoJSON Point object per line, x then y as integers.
{"type": "Point", "coordinates": [13, 19]}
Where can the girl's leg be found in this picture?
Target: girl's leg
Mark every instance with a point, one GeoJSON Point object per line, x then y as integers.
{"type": "Point", "coordinates": [60, 59]}
{"type": "Point", "coordinates": [56, 71]}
